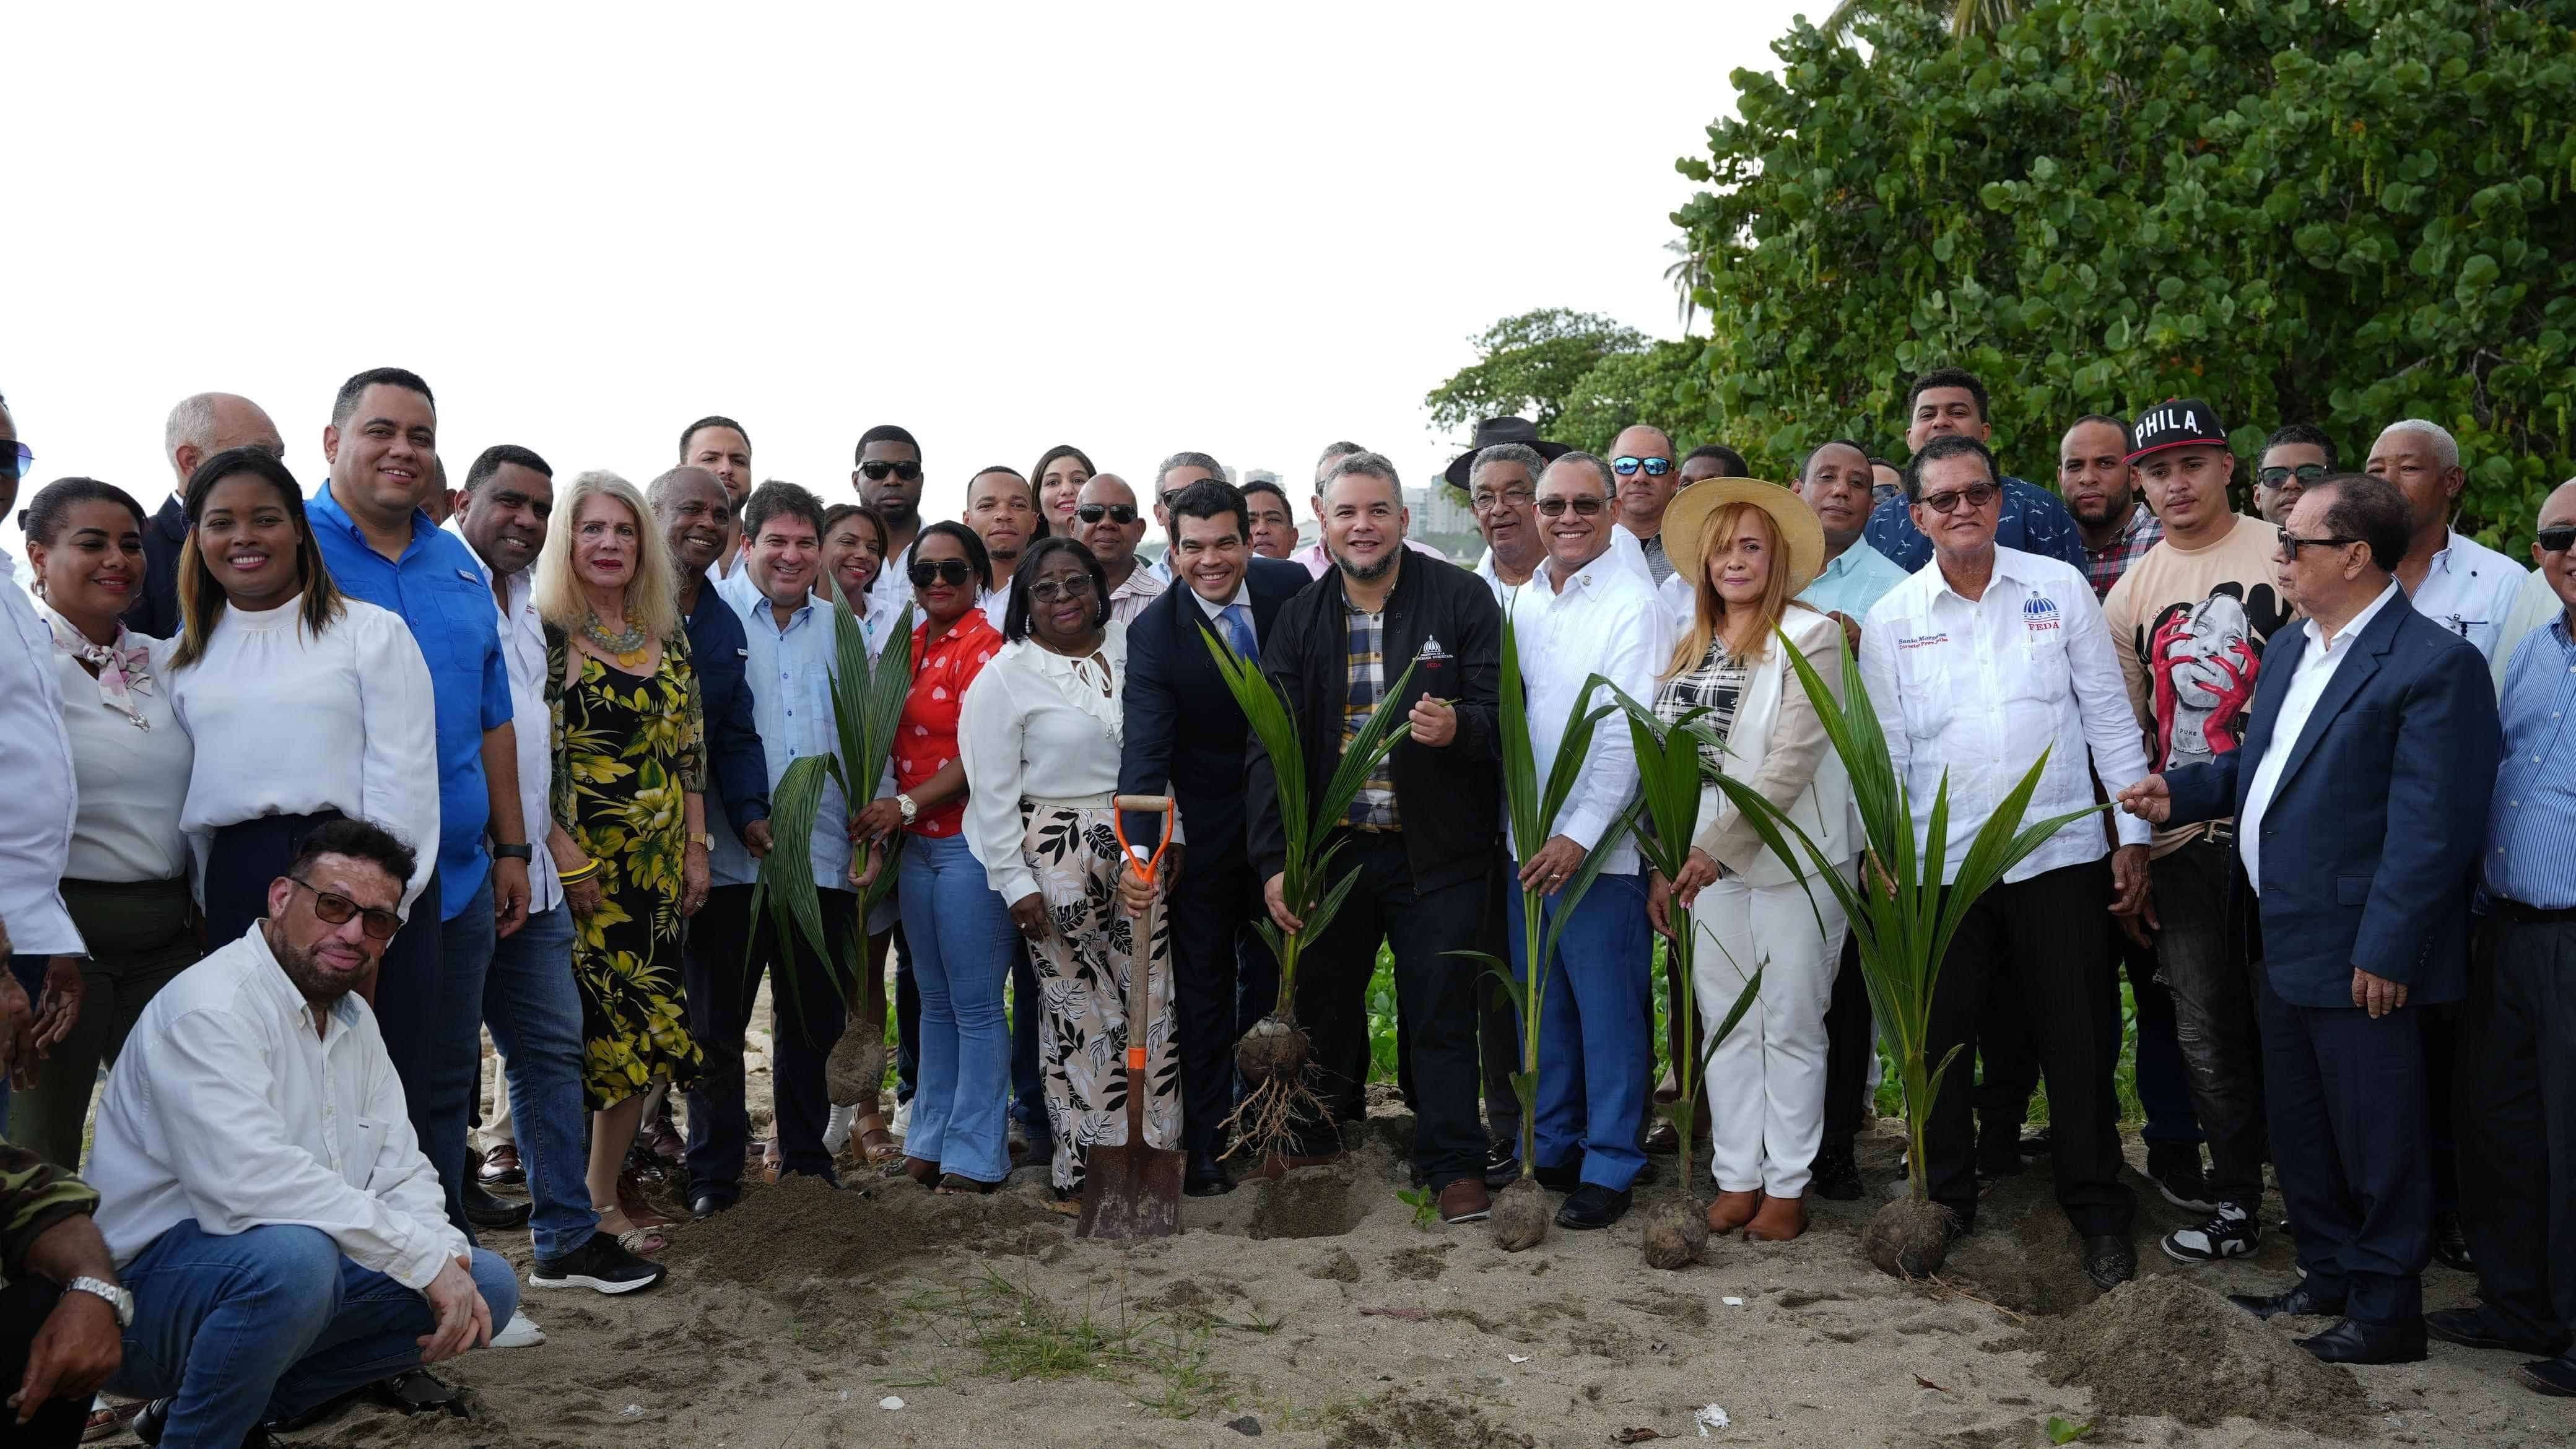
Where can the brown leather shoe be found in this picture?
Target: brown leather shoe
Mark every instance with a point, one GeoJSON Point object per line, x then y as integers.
{"type": "Point", "coordinates": [1780, 1219]}
{"type": "Point", "coordinates": [1465, 1201]}
{"type": "Point", "coordinates": [1732, 1210]}
{"type": "Point", "coordinates": [501, 1167]}
{"type": "Point", "coordinates": [639, 1209]}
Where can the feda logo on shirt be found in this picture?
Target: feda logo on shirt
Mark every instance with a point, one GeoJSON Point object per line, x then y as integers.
{"type": "Point", "coordinates": [2039, 612]}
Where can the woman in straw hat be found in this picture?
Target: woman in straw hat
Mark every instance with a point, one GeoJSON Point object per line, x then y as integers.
{"type": "Point", "coordinates": [1748, 548]}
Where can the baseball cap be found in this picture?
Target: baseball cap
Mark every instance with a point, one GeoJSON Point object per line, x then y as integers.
{"type": "Point", "coordinates": [2177, 422]}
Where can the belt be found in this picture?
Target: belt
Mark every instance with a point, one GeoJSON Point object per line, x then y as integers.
{"type": "Point", "coordinates": [2521, 914]}
{"type": "Point", "coordinates": [1070, 802]}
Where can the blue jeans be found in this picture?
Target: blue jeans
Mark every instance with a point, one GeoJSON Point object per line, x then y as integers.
{"type": "Point", "coordinates": [534, 1010]}
{"type": "Point", "coordinates": [451, 1070]}
{"type": "Point", "coordinates": [273, 1321]}
{"type": "Point", "coordinates": [1596, 1052]}
{"type": "Point", "coordinates": [962, 946]}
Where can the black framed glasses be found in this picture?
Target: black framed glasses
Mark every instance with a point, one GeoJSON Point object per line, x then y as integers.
{"type": "Point", "coordinates": [2306, 473]}
{"type": "Point", "coordinates": [1484, 503]}
{"type": "Point", "coordinates": [877, 471]}
{"type": "Point", "coordinates": [335, 909]}
{"type": "Point", "coordinates": [954, 572]}
{"type": "Point", "coordinates": [2556, 540]}
{"type": "Point", "coordinates": [17, 459]}
{"type": "Point", "coordinates": [1121, 514]}
{"type": "Point", "coordinates": [1975, 495]}
{"type": "Point", "coordinates": [1627, 467]}
{"type": "Point", "coordinates": [1583, 507]}
{"type": "Point", "coordinates": [2291, 543]}
{"type": "Point", "coordinates": [1056, 590]}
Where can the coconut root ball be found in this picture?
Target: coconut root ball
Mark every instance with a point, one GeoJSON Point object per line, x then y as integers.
{"type": "Point", "coordinates": [1520, 1216]}
{"type": "Point", "coordinates": [855, 1071]}
{"type": "Point", "coordinates": [1908, 1238]}
{"type": "Point", "coordinates": [1676, 1235]}
{"type": "Point", "coordinates": [1274, 1050]}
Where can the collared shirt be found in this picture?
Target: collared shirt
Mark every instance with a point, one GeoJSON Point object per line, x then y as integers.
{"type": "Point", "coordinates": [2531, 822]}
{"type": "Point", "coordinates": [1673, 602]}
{"type": "Point", "coordinates": [1215, 612]}
{"type": "Point", "coordinates": [523, 653]}
{"type": "Point", "coordinates": [996, 604]}
{"type": "Point", "coordinates": [2317, 665]}
{"type": "Point", "coordinates": [1852, 582]}
{"type": "Point", "coordinates": [1364, 682]}
{"type": "Point", "coordinates": [227, 1107]}
{"type": "Point", "coordinates": [1318, 562]}
{"type": "Point", "coordinates": [2030, 519]}
{"type": "Point", "coordinates": [926, 738]}
{"type": "Point", "coordinates": [1652, 551]}
{"type": "Point", "coordinates": [2103, 566]}
{"type": "Point", "coordinates": [1975, 690]}
{"type": "Point", "coordinates": [1142, 587]}
{"type": "Point", "coordinates": [1603, 621]}
{"type": "Point", "coordinates": [2470, 589]}
{"type": "Point", "coordinates": [437, 588]}
{"type": "Point", "coordinates": [789, 673]}
{"type": "Point", "coordinates": [36, 761]}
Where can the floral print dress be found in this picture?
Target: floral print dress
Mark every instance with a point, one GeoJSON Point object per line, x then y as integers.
{"type": "Point", "coordinates": [628, 749]}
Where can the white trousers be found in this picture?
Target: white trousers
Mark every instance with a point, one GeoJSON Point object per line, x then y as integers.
{"type": "Point", "coordinates": [1766, 1081]}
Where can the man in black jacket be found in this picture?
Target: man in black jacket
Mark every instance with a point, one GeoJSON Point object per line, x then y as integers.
{"type": "Point", "coordinates": [1421, 830]}
{"type": "Point", "coordinates": [1185, 735]}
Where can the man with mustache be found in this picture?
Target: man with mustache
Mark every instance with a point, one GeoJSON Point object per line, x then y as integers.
{"type": "Point", "coordinates": [1003, 510]}
{"type": "Point", "coordinates": [1106, 522]}
{"type": "Point", "coordinates": [721, 447]}
{"type": "Point", "coordinates": [2101, 490]}
{"type": "Point", "coordinates": [1951, 402]}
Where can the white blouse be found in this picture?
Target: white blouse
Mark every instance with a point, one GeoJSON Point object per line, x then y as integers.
{"type": "Point", "coordinates": [289, 724]}
{"type": "Point", "coordinates": [1036, 725]}
{"type": "Point", "coordinates": [131, 779]}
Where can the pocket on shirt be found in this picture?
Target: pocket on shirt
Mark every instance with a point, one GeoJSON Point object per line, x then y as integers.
{"type": "Point", "coordinates": [466, 626]}
{"type": "Point", "coordinates": [2047, 676]}
{"type": "Point", "coordinates": [369, 1147]}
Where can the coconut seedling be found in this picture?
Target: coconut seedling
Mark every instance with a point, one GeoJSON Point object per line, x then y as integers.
{"type": "Point", "coordinates": [1902, 918]}
{"type": "Point", "coordinates": [1274, 1054]}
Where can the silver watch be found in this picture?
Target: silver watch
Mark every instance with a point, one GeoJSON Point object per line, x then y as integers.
{"type": "Point", "coordinates": [117, 1298]}
{"type": "Point", "coordinates": [910, 810]}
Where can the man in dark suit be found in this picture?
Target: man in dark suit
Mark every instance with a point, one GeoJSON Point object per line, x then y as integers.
{"type": "Point", "coordinates": [2360, 800]}
{"type": "Point", "coordinates": [1185, 736]}
{"type": "Point", "coordinates": [201, 426]}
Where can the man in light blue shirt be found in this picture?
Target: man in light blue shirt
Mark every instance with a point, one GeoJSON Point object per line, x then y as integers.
{"type": "Point", "coordinates": [789, 635]}
{"type": "Point", "coordinates": [1836, 480]}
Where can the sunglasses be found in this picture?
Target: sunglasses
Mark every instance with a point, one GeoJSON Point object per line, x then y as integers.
{"type": "Point", "coordinates": [1975, 495]}
{"type": "Point", "coordinates": [1054, 591]}
{"type": "Point", "coordinates": [16, 459]}
{"type": "Point", "coordinates": [1483, 503]}
{"type": "Point", "coordinates": [336, 909]}
{"type": "Point", "coordinates": [953, 572]}
{"type": "Point", "coordinates": [2306, 473]}
{"type": "Point", "coordinates": [2291, 543]}
{"type": "Point", "coordinates": [1583, 507]}
{"type": "Point", "coordinates": [908, 472]}
{"type": "Point", "coordinates": [1121, 514]}
{"type": "Point", "coordinates": [1655, 467]}
{"type": "Point", "coordinates": [2557, 540]}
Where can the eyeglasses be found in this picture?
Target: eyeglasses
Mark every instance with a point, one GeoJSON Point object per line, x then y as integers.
{"type": "Point", "coordinates": [1655, 467]}
{"type": "Point", "coordinates": [953, 572]}
{"type": "Point", "coordinates": [1975, 495]}
{"type": "Point", "coordinates": [1121, 514]}
{"type": "Point", "coordinates": [1055, 590]}
{"type": "Point", "coordinates": [17, 460]}
{"type": "Point", "coordinates": [2291, 543]}
{"type": "Point", "coordinates": [908, 472]}
{"type": "Point", "coordinates": [2306, 473]}
{"type": "Point", "coordinates": [336, 909]}
{"type": "Point", "coordinates": [1484, 503]}
{"type": "Point", "coordinates": [1583, 507]}
{"type": "Point", "coordinates": [2557, 540]}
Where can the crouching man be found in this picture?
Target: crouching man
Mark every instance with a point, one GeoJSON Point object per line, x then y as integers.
{"type": "Point", "coordinates": [267, 1204]}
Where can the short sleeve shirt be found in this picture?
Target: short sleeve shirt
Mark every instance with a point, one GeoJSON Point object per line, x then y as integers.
{"type": "Point", "coordinates": [926, 740]}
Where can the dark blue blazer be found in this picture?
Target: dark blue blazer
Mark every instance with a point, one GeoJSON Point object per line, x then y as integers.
{"type": "Point", "coordinates": [1184, 732]}
{"type": "Point", "coordinates": [737, 765]}
{"type": "Point", "coordinates": [2370, 844]}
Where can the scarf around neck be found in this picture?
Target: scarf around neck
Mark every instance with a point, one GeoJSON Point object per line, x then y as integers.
{"type": "Point", "coordinates": [124, 667]}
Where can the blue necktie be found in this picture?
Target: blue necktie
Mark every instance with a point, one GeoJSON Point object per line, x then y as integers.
{"type": "Point", "coordinates": [1238, 630]}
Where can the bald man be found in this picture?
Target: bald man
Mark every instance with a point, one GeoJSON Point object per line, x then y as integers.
{"type": "Point", "coordinates": [1642, 456]}
{"type": "Point", "coordinates": [1107, 521]}
{"type": "Point", "coordinates": [199, 427]}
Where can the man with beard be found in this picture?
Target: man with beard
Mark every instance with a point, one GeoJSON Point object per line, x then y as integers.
{"type": "Point", "coordinates": [199, 427]}
{"type": "Point", "coordinates": [720, 446]}
{"type": "Point", "coordinates": [2101, 490]}
{"type": "Point", "coordinates": [1106, 522]}
{"type": "Point", "coordinates": [887, 475]}
{"type": "Point", "coordinates": [1003, 510]}
{"type": "Point", "coordinates": [2189, 621]}
{"type": "Point", "coordinates": [283, 1237]}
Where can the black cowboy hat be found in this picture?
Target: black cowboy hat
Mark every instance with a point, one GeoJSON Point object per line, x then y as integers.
{"type": "Point", "coordinates": [1503, 430]}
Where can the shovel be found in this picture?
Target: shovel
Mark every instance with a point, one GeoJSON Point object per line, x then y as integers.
{"type": "Point", "coordinates": [1132, 1190]}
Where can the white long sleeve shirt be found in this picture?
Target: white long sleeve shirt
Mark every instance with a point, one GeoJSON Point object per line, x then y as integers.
{"type": "Point", "coordinates": [2317, 665]}
{"type": "Point", "coordinates": [36, 763]}
{"type": "Point", "coordinates": [1977, 690]}
{"type": "Point", "coordinates": [1604, 621]}
{"type": "Point", "coordinates": [1036, 725]}
{"type": "Point", "coordinates": [289, 724]}
{"type": "Point", "coordinates": [227, 1107]}
{"type": "Point", "coordinates": [2472, 590]}
{"type": "Point", "coordinates": [523, 652]}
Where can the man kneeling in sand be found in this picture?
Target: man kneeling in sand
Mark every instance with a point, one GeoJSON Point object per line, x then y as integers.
{"type": "Point", "coordinates": [283, 1237]}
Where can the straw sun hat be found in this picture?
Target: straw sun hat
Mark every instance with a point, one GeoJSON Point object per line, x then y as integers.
{"type": "Point", "coordinates": [1686, 525]}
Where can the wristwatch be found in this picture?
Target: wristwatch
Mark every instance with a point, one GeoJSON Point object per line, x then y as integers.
{"type": "Point", "coordinates": [703, 839]}
{"type": "Point", "coordinates": [513, 852]}
{"type": "Point", "coordinates": [117, 1298]}
{"type": "Point", "coordinates": [911, 812]}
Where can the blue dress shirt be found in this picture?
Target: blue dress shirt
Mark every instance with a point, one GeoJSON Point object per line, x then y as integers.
{"type": "Point", "coordinates": [788, 674]}
{"type": "Point", "coordinates": [737, 773]}
{"type": "Point", "coordinates": [437, 588]}
{"type": "Point", "coordinates": [2034, 520]}
{"type": "Point", "coordinates": [2531, 822]}
{"type": "Point", "coordinates": [1857, 577]}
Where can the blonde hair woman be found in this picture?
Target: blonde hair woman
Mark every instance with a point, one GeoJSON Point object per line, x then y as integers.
{"type": "Point", "coordinates": [629, 830]}
{"type": "Point", "coordinates": [1748, 548]}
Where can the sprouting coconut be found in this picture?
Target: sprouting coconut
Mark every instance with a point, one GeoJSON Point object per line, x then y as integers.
{"type": "Point", "coordinates": [1520, 1216]}
{"type": "Point", "coordinates": [855, 1071]}
{"type": "Point", "coordinates": [1908, 1238]}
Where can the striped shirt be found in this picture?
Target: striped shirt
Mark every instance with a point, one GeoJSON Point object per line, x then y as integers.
{"type": "Point", "coordinates": [1373, 808]}
{"type": "Point", "coordinates": [2531, 821]}
{"type": "Point", "coordinates": [2103, 566]}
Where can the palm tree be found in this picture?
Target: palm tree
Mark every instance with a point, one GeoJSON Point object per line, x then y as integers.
{"type": "Point", "coordinates": [1967, 17]}
{"type": "Point", "coordinates": [1686, 275]}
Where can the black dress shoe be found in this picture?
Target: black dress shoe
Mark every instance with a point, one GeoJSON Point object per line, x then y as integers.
{"type": "Point", "coordinates": [1836, 1174]}
{"type": "Point", "coordinates": [1502, 1164]}
{"type": "Point", "coordinates": [1206, 1176]}
{"type": "Point", "coordinates": [1999, 1152]}
{"type": "Point", "coordinates": [154, 1418]}
{"type": "Point", "coordinates": [2555, 1377]}
{"type": "Point", "coordinates": [2109, 1261]}
{"type": "Point", "coordinates": [707, 1204]}
{"type": "Point", "coordinates": [1592, 1206]}
{"type": "Point", "coordinates": [2475, 1327]}
{"type": "Point", "coordinates": [1565, 1178]}
{"type": "Point", "coordinates": [2300, 1302]}
{"type": "Point", "coordinates": [484, 1210]}
{"type": "Point", "coordinates": [2036, 1143]}
{"type": "Point", "coordinates": [2451, 1243]}
{"type": "Point", "coordinates": [2353, 1341]}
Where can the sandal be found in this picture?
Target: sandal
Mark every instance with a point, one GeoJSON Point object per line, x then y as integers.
{"type": "Point", "coordinates": [957, 1184]}
{"type": "Point", "coordinates": [876, 1143]}
{"type": "Point", "coordinates": [643, 1242]}
{"type": "Point", "coordinates": [925, 1173]}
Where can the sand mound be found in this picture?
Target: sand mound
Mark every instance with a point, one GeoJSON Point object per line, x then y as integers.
{"type": "Point", "coordinates": [1402, 1420]}
{"type": "Point", "coordinates": [802, 1229]}
{"type": "Point", "coordinates": [2162, 1345]}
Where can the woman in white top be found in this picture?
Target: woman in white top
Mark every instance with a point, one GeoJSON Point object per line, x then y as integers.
{"type": "Point", "coordinates": [1039, 735]}
{"type": "Point", "coordinates": [305, 705]}
{"type": "Point", "coordinates": [1748, 548]}
{"type": "Point", "coordinates": [126, 879]}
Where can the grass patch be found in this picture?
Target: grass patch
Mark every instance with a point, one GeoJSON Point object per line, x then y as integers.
{"type": "Point", "coordinates": [1014, 1331]}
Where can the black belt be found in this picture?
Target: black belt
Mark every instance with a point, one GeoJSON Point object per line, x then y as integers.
{"type": "Point", "coordinates": [2521, 914]}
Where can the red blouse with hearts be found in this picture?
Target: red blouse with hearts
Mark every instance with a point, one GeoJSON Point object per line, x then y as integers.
{"type": "Point", "coordinates": [927, 739]}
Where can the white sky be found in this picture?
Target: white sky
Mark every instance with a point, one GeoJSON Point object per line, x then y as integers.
{"type": "Point", "coordinates": [1246, 230]}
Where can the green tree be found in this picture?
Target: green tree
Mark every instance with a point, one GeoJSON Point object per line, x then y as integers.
{"type": "Point", "coordinates": [1528, 366]}
{"type": "Point", "coordinates": [1967, 17]}
{"type": "Point", "coordinates": [1660, 385]}
{"type": "Point", "coordinates": [2336, 211]}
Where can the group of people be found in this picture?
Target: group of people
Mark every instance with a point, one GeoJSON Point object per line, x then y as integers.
{"type": "Point", "coordinates": [310, 794]}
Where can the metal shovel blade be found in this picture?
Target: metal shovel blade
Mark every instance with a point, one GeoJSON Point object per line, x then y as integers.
{"type": "Point", "coordinates": [1132, 1191]}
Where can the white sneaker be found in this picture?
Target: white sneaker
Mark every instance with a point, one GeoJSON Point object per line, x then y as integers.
{"type": "Point", "coordinates": [902, 1120]}
{"type": "Point", "coordinates": [522, 1332]}
{"type": "Point", "coordinates": [836, 1130]}
{"type": "Point", "coordinates": [2230, 1232]}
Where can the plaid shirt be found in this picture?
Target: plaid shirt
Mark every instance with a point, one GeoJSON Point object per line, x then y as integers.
{"type": "Point", "coordinates": [1373, 808]}
{"type": "Point", "coordinates": [2103, 566]}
